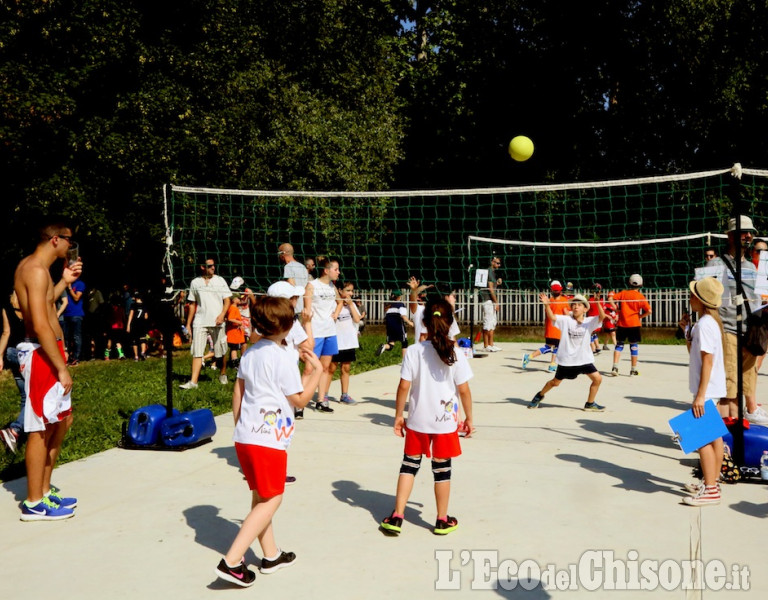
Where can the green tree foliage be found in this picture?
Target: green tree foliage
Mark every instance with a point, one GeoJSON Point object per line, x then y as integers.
{"type": "Point", "coordinates": [606, 89]}
{"type": "Point", "coordinates": [103, 101]}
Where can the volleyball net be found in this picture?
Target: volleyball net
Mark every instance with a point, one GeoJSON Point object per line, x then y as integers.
{"type": "Point", "coordinates": [579, 232]}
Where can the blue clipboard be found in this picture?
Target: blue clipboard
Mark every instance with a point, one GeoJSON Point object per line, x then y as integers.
{"type": "Point", "coordinates": [692, 433]}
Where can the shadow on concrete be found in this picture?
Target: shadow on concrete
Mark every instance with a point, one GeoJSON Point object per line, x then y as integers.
{"type": "Point", "coordinates": [380, 419]}
{"type": "Point", "coordinates": [629, 479]}
{"type": "Point", "coordinates": [751, 509]}
{"type": "Point", "coordinates": [379, 505]}
{"type": "Point", "coordinates": [680, 405]}
{"type": "Point", "coordinates": [627, 433]}
{"type": "Point", "coordinates": [215, 532]}
{"type": "Point", "coordinates": [229, 454]}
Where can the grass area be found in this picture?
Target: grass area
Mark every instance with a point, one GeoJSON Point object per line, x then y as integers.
{"type": "Point", "coordinates": [106, 393]}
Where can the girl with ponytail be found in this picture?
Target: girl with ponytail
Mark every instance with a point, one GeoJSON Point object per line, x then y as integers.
{"type": "Point", "coordinates": [433, 379]}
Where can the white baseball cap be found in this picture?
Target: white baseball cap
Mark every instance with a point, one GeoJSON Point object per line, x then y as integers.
{"type": "Point", "coordinates": [237, 282]}
{"type": "Point", "coordinates": [636, 280]}
{"type": "Point", "coordinates": [283, 289]}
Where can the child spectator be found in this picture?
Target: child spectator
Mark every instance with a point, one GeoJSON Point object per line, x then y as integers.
{"type": "Point", "coordinates": [137, 327]}
{"type": "Point", "coordinates": [347, 317]}
{"type": "Point", "coordinates": [706, 380]}
{"type": "Point", "coordinates": [320, 301]}
{"type": "Point", "coordinates": [433, 378]}
{"type": "Point", "coordinates": [632, 309]}
{"type": "Point", "coordinates": [395, 318]}
{"type": "Point", "coordinates": [268, 385]}
{"type": "Point", "coordinates": [575, 354]}
{"type": "Point", "coordinates": [234, 328]}
{"type": "Point", "coordinates": [116, 324]}
{"type": "Point", "coordinates": [611, 318]}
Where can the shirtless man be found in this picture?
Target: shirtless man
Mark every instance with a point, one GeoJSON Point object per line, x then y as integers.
{"type": "Point", "coordinates": [48, 413]}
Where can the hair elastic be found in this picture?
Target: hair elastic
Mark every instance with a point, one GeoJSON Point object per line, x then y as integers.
{"type": "Point", "coordinates": [437, 313]}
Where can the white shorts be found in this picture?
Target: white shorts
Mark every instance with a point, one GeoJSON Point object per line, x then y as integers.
{"type": "Point", "coordinates": [200, 341]}
{"type": "Point", "coordinates": [489, 316]}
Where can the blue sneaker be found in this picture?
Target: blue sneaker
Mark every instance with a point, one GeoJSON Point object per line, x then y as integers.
{"type": "Point", "coordinates": [45, 510]}
{"type": "Point", "coordinates": [536, 401]}
{"type": "Point", "coordinates": [347, 399]}
{"type": "Point", "coordinates": [56, 497]}
{"type": "Point", "coordinates": [552, 368]}
{"type": "Point", "coordinates": [526, 360]}
{"type": "Point", "coordinates": [593, 407]}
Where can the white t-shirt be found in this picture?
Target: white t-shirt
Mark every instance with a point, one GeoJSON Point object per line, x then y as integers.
{"type": "Point", "coordinates": [266, 417]}
{"type": "Point", "coordinates": [323, 305]}
{"type": "Point", "coordinates": [705, 337]}
{"type": "Point", "coordinates": [574, 349]}
{"type": "Point", "coordinates": [295, 337]}
{"type": "Point", "coordinates": [209, 298]}
{"type": "Point", "coordinates": [418, 322]}
{"type": "Point", "coordinates": [346, 330]}
{"type": "Point", "coordinates": [433, 405]}
{"type": "Point", "coordinates": [419, 327]}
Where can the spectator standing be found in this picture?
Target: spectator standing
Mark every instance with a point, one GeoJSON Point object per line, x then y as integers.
{"type": "Point", "coordinates": [728, 312]}
{"type": "Point", "coordinates": [294, 272]}
{"type": "Point", "coordinates": [74, 313]}
{"type": "Point", "coordinates": [490, 307]}
{"type": "Point", "coordinates": [48, 410]}
{"type": "Point", "coordinates": [632, 308]}
{"type": "Point", "coordinates": [209, 299]}
{"type": "Point", "coordinates": [13, 334]}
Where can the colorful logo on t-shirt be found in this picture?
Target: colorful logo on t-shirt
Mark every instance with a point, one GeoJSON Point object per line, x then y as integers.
{"type": "Point", "coordinates": [450, 411]}
{"type": "Point", "coordinates": [273, 422]}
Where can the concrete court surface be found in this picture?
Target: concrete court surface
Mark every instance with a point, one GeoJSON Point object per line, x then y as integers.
{"type": "Point", "coordinates": [552, 494]}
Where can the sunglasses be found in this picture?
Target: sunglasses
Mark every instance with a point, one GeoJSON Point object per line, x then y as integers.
{"type": "Point", "coordinates": [710, 256]}
{"type": "Point", "coordinates": [209, 266]}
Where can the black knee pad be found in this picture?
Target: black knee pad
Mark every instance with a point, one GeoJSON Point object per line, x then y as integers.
{"type": "Point", "coordinates": [441, 470]}
{"type": "Point", "coordinates": [410, 464]}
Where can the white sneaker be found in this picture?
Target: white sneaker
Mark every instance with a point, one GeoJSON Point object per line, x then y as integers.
{"type": "Point", "coordinates": [190, 385]}
{"type": "Point", "coordinates": [223, 380]}
{"type": "Point", "coordinates": [759, 417]}
{"type": "Point", "coordinates": [490, 349]}
{"type": "Point", "coordinates": [496, 349]}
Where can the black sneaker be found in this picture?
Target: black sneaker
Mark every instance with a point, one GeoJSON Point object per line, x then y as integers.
{"type": "Point", "coordinates": [443, 527]}
{"type": "Point", "coordinates": [536, 401]}
{"type": "Point", "coordinates": [298, 414]}
{"type": "Point", "coordinates": [593, 407]}
{"type": "Point", "coordinates": [392, 525]}
{"type": "Point", "coordinates": [290, 480]}
{"type": "Point", "coordinates": [323, 407]}
{"type": "Point", "coordinates": [286, 559]}
{"type": "Point", "coordinates": [240, 575]}
{"type": "Point", "coordinates": [381, 349]}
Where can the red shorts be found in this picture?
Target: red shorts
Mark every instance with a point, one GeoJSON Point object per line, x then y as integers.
{"type": "Point", "coordinates": [46, 402]}
{"type": "Point", "coordinates": [442, 445]}
{"type": "Point", "coordinates": [264, 468]}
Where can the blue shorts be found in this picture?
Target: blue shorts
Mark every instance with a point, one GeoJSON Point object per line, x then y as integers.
{"type": "Point", "coordinates": [326, 346]}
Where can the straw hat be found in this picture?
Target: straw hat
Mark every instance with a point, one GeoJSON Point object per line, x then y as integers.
{"type": "Point", "coordinates": [709, 290]}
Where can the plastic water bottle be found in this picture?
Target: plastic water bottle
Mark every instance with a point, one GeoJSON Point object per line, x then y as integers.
{"type": "Point", "coordinates": [764, 466]}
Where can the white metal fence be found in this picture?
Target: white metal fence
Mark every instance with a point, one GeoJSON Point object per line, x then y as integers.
{"type": "Point", "coordinates": [522, 307]}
